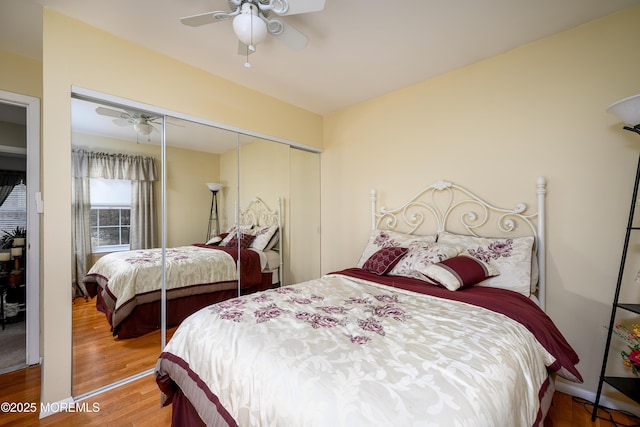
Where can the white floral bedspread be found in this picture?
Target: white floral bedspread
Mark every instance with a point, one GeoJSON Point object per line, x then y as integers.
{"type": "Point", "coordinates": [340, 351]}
{"type": "Point", "coordinates": [133, 273]}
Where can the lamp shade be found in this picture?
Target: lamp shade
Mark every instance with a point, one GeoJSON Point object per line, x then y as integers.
{"type": "Point", "coordinates": [248, 26]}
{"type": "Point", "coordinates": [628, 110]}
{"type": "Point", "coordinates": [214, 186]}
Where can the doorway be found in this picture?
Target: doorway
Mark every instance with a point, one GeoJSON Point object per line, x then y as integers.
{"type": "Point", "coordinates": [20, 206]}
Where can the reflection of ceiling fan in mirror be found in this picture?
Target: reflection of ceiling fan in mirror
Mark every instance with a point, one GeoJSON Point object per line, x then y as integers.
{"type": "Point", "coordinates": [252, 21]}
{"type": "Point", "coordinates": [141, 123]}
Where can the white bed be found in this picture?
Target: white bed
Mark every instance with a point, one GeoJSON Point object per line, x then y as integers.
{"type": "Point", "coordinates": [379, 343]}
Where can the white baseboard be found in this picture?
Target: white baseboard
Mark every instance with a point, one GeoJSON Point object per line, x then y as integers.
{"type": "Point", "coordinates": [605, 401]}
{"type": "Point", "coordinates": [47, 409]}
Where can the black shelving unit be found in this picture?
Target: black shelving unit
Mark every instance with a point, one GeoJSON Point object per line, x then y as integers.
{"type": "Point", "coordinates": [630, 386]}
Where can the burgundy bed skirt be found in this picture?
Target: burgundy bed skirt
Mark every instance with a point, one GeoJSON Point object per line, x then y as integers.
{"type": "Point", "coordinates": [145, 318]}
{"type": "Point", "coordinates": [182, 411]}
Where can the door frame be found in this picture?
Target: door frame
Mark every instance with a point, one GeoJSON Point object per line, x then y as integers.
{"type": "Point", "coordinates": [34, 209]}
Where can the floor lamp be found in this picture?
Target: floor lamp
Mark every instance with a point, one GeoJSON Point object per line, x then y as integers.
{"type": "Point", "coordinates": [214, 187]}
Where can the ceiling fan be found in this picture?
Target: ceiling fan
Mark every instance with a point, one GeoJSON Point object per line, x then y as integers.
{"type": "Point", "coordinates": [141, 123]}
{"type": "Point", "coordinates": [252, 21]}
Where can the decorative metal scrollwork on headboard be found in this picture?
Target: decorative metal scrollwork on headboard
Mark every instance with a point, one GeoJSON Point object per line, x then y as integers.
{"type": "Point", "coordinates": [437, 206]}
{"type": "Point", "coordinates": [258, 213]}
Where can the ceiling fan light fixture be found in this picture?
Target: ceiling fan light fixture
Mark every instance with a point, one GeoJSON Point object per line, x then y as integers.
{"type": "Point", "coordinates": [248, 26]}
{"type": "Point", "coordinates": [143, 128]}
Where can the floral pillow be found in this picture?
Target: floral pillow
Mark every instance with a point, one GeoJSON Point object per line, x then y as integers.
{"type": "Point", "coordinates": [419, 256]}
{"type": "Point", "coordinates": [233, 231]}
{"type": "Point", "coordinates": [510, 256]}
{"type": "Point", "coordinates": [243, 243]}
{"type": "Point", "coordinates": [263, 236]}
{"type": "Point", "coordinates": [384, 259]}
{"type": "Point", "coordinates": [385, 238]}
{"type": "Point", "coordinates": [460, 272]}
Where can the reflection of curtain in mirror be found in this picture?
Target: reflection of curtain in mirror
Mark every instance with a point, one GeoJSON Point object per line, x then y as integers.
{"type": "Point", "coordinates": [141, 171]}
{"type": "Point", "coordinates": [8, 180]}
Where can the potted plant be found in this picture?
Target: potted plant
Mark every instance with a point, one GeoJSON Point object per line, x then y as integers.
{"type": "Point", "coordinates": [6, 241]}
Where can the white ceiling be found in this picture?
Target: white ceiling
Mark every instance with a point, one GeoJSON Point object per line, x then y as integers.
{"type": "Point", "coordinates": [358, 49]}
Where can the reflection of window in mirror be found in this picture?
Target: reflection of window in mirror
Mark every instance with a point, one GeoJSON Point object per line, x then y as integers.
{"type": "Point", "coordinates": [110, 214]}
{"type": "Point", "coordinates": [13, 211]}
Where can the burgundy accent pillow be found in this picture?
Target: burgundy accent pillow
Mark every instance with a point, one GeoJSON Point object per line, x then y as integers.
{"type": "Point", "coordinates": [383, 260]}
{"type": "Point", "coordinates": [245, 241]}
{"type": "Point", "coordinates": [460, 272]}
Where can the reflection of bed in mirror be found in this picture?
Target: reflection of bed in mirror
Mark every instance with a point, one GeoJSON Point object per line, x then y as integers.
{"type": "Point", "coordinates": [435, 324]}
{"type": "Point", "coordinates": [127, 284]}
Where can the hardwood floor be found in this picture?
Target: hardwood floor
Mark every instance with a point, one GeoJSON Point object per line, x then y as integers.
{"type": "Point", "coordinates": [99, 358]}
{"type": "Point", "coordinates": [133, 404]}
{"type": "Point", "coordinates": [138, 404]}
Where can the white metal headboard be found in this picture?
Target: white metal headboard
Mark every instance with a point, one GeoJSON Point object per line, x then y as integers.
{"type": "Point", "coordinates": [258, 213]}
{"type": "Point", "coordinates": [444, 206]}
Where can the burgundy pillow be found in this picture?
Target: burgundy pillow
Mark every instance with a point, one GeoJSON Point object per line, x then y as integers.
{"type": "Point", "coordinates": [383, 260]}
{"type": "Point", "coordinates": [460, 272]}
{"type": "Point", "coordinates": [245, 241]}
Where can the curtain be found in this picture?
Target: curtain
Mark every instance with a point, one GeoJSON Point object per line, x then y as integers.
{"type": "Point", "coordinates": [141, 171]}
{"type": "Point", "coordinates": [142, 234]}
{"type": "Point", "coordinates": [80, 233]}
{"type": "Point", "coordinates": [8, 180]}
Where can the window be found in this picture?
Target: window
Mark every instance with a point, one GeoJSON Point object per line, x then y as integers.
{"type": "Point", "coordinates": [13, 212]}
{"type": "Point", "coordinates": [110, 214]}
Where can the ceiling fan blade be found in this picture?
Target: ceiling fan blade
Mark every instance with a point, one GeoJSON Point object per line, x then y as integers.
{"type": "Point", "coordinates": [293, 38]}
{"type": "Point", "coordinates": [122, 122]}
{"type": "Point", "coordinates": [295, 7]}
{"type": "Point", "coordinates": [158, 121]}
{"type": "Point", "coordinates": [206, 18]}
{"type": "Point", "coordinates": [111, 113]}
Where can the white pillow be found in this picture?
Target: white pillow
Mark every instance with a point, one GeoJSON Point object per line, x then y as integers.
{"type": "Point", "coordinates": [384, 238]}
{"type": "Point", "coordinates": [263, 236]}
{"type": "Point", "coordinates": [214, 240]}
{"type": "Point", "coordinates": [510, 256]}
{"type": "Point", "coordinates": [273, 242]}
{"type": "Point", "coordinates": [420, 256]}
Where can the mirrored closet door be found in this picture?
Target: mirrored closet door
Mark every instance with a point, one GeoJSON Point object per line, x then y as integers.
{"type": "Point", "coordinates": [117, 207]}
{"type": "Point", "coordinates": [192, 181]}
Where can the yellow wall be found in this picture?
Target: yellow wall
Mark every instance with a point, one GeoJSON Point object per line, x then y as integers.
{"type": "Point", "coordinates": [188, 198]}
{"type": "Point", "coordinates": [495, 126]}
{"type": "Point", "coordinates": [13, 135]}
{"type": "Point", "coordinates": [75, 54]}
{"type": "Point", "coordinates": [21, 75]}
